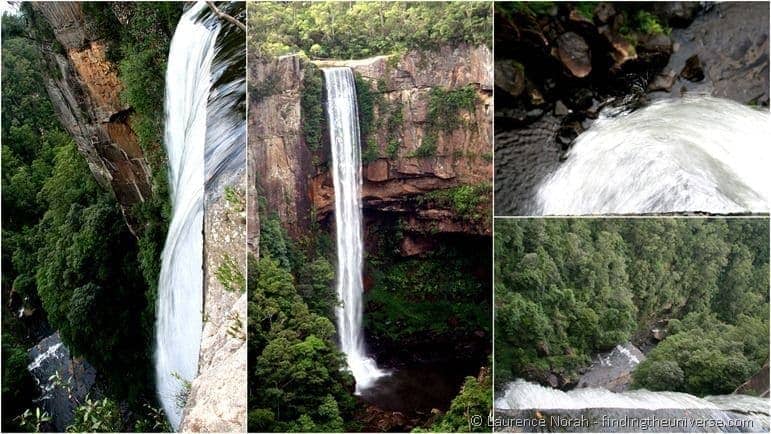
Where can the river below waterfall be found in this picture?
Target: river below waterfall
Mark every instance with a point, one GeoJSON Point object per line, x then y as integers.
{"type": "Point", "coordinates": [416, 388]}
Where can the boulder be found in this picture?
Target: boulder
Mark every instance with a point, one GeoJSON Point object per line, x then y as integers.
{"type": "Point", "coordinates": [574, 53]}
{"type": "Point", "coordinates": [510, 77]}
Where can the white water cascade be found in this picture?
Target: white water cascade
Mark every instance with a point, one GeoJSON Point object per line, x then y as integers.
{"type": "Point", "coordinates": [722, 413]}
{"type": "Point", "coordinates": [180, 289]}
{"type": "Point", "coordinates": [342, 111]}
{"type": "Point", "coordinates": [521, 394]}
{"type": "Point", "coordinates": [694, 154]}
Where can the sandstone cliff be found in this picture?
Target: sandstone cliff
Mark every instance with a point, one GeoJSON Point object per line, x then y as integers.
{"type": "Point", "coordinates": [85, 91]}
{"type": "Point", "coordinates": [217, 400]}
{"type": "Point", "coordinates": [295, 180]}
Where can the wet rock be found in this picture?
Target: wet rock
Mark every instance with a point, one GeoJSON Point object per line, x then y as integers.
{"type": "Point", "coordinates": [693, 70]}
{"type": "Point", "coordinates": [534, 114]}
{"type": "Point", "coordinates": [553, 380]}
{"type": "Point", "coordinates": [593, 112]}
{"type": "Point", "coordinates": [604, 11]}
{"type": "Point", "coordinates": [676, 14]}
{"type": "Point", "coordinates": [580, 99]}
{"type": "Point", "coordinates": [663, 81]}
{"type": "Point", "coordinates": [377, 171]}
{"type": "Point", "coordinates": [510, 77]}
{"type": "Point", "coordinates": [575, 55]}
{"type": "Point", "coordinates": [568, 133]}
{"type": "Point", "coordinates": [515, 115]}
{"type": "Point", "coordinates": [731, 41]}
{"type": "Point", "coordinates": [612, 370]}
{"type": "Point", "coordinates": [560, 109]}
{"type": "Point", "coordinates": [660, 43]}
{"type": "Point", "coordinates": [76, 377]}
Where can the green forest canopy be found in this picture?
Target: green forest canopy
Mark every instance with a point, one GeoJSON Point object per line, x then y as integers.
{"type": "Point", "coordinates": [353, 30]}
{"type": "Point", "coordinates": [298, 381]}
{"type": "Point", "coordinates": [566, 289]}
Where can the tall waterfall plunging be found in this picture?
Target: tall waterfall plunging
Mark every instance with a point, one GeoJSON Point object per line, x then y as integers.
{"type": "Point", "coordinates": [342, 111]}
{"type": "Point", "coordinates": [695, 154]}
{"type": "Point", "coordinates": [180, 289]}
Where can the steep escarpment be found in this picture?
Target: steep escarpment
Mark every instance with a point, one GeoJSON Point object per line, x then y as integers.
{"type": "Point", "coordinates": [86, 227]}
{"type": "Point", "coordinates": [215, 402]}
{"type": "Point", "coordinates": [425, 121]}
{"type": "Point", "coordinates": [85, 90]}
{"type": "Point", "coordinates": [425, 131]}
{"type": "Point", "coordinates": [425, 126]}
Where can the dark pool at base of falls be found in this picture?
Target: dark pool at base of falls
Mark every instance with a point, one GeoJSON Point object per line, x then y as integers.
{"type": "Point", "coordinates": [629, 420]}
{"type": "Point", "coordinates": [417, 388]}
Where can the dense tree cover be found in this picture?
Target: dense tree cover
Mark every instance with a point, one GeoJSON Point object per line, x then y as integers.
{"type": "Point", "coordinates": [568, 288]}
{"type": "Point", "coordinates": [299, 381]}
{"type": "Point", "coordinates": [67, 252]}
{"type": "Point", "coordinates": [351, 30]}
{"type": "Point", "coordinates": [298, 377]}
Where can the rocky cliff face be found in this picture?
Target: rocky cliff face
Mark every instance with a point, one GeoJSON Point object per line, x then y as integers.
{"type": "Point", "coordinates": [85, 91]}
{"type": "Point", "coordinates": [217, 400]}
{"type": "Point", "coordinates": [296, 181]}
{"type": "Point", "coordinates": [279, 160]}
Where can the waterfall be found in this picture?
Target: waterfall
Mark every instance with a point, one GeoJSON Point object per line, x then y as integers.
{"type": "Point", "coordinates": [180, 288]}
{"type": "Point", "coordinates": [525, 395]}
{"type": "Point", "coordinates": [694, 154]}
{"type": "Point", "coordinates": [342, 111]}
{"type": "Point", "coordinates": [602, 408]}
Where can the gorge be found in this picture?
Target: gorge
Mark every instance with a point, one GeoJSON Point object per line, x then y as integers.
{"type": "Point", "coordinates": [420, 182]}
{"type": "Point", "coordinates": [606, 320]}
{"type": "Point", "coordinates": [114, 181]}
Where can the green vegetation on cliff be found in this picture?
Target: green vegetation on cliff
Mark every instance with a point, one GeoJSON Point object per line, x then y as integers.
{"type": "Point", "coordinates": [439, 295]}
{"type": "Point", "coordinates": [566, 289]}
{"type": "Point", "coordinates": [68, 256]}
{"type": "Point", "coordinates": [353, 30]}
{"type": "Point", "coordinates": [140, 49]}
